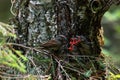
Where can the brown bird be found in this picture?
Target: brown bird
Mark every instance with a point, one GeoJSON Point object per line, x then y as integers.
{"type": "Point", "coordinates": [55, 44]}
{"type": "Point", "coordinates": [84, 45]}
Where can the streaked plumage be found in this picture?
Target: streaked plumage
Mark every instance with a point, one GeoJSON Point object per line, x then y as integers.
{"type": "Point", "coordinates": [55, 43]}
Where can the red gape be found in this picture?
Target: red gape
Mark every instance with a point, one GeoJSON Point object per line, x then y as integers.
{"type": "Point", "coordinates": [73, 41]}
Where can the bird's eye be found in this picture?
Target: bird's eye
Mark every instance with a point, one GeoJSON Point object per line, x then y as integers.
{"type": "Point", "coordinates": [95, 5]}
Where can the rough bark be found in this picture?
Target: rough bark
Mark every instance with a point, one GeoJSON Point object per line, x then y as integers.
{"type": "Point", "coordinates": [42, 20]}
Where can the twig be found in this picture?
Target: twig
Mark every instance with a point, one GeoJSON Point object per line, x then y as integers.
{"type": "Point", "coordinates": [11, 8]}
{"type": "Point", "coordinates": [35, 67]}
{"type": "Point", "coordinates": [30, 48]}
{"type": "Point", "coordinates": [63, 69]}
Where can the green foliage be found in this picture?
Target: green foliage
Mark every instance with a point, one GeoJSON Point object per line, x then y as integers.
{"type": "Point", "coordinates": [112, 72]}
{"type": "Point", "coordinates": [113, 76]}
{"type": "Point", "coordinates": [88, 73]}
{"type": "Point", "coordinates": [112, 33]}
{"type": "Point", "coordinates": [113, 14]}
{"type": "Point", "coordinates": [8, 55]}
{"type": "Point", "coordinates": [111, 24]}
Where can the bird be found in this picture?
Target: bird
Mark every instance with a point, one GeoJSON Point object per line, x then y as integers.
{"type": "Point", "coordinates": [54, 44]}
{"type": "Point", "coordinates": [83, 45]}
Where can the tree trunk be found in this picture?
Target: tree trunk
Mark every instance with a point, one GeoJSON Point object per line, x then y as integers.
{"type": "Point", "coordinates": [78, 21]}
